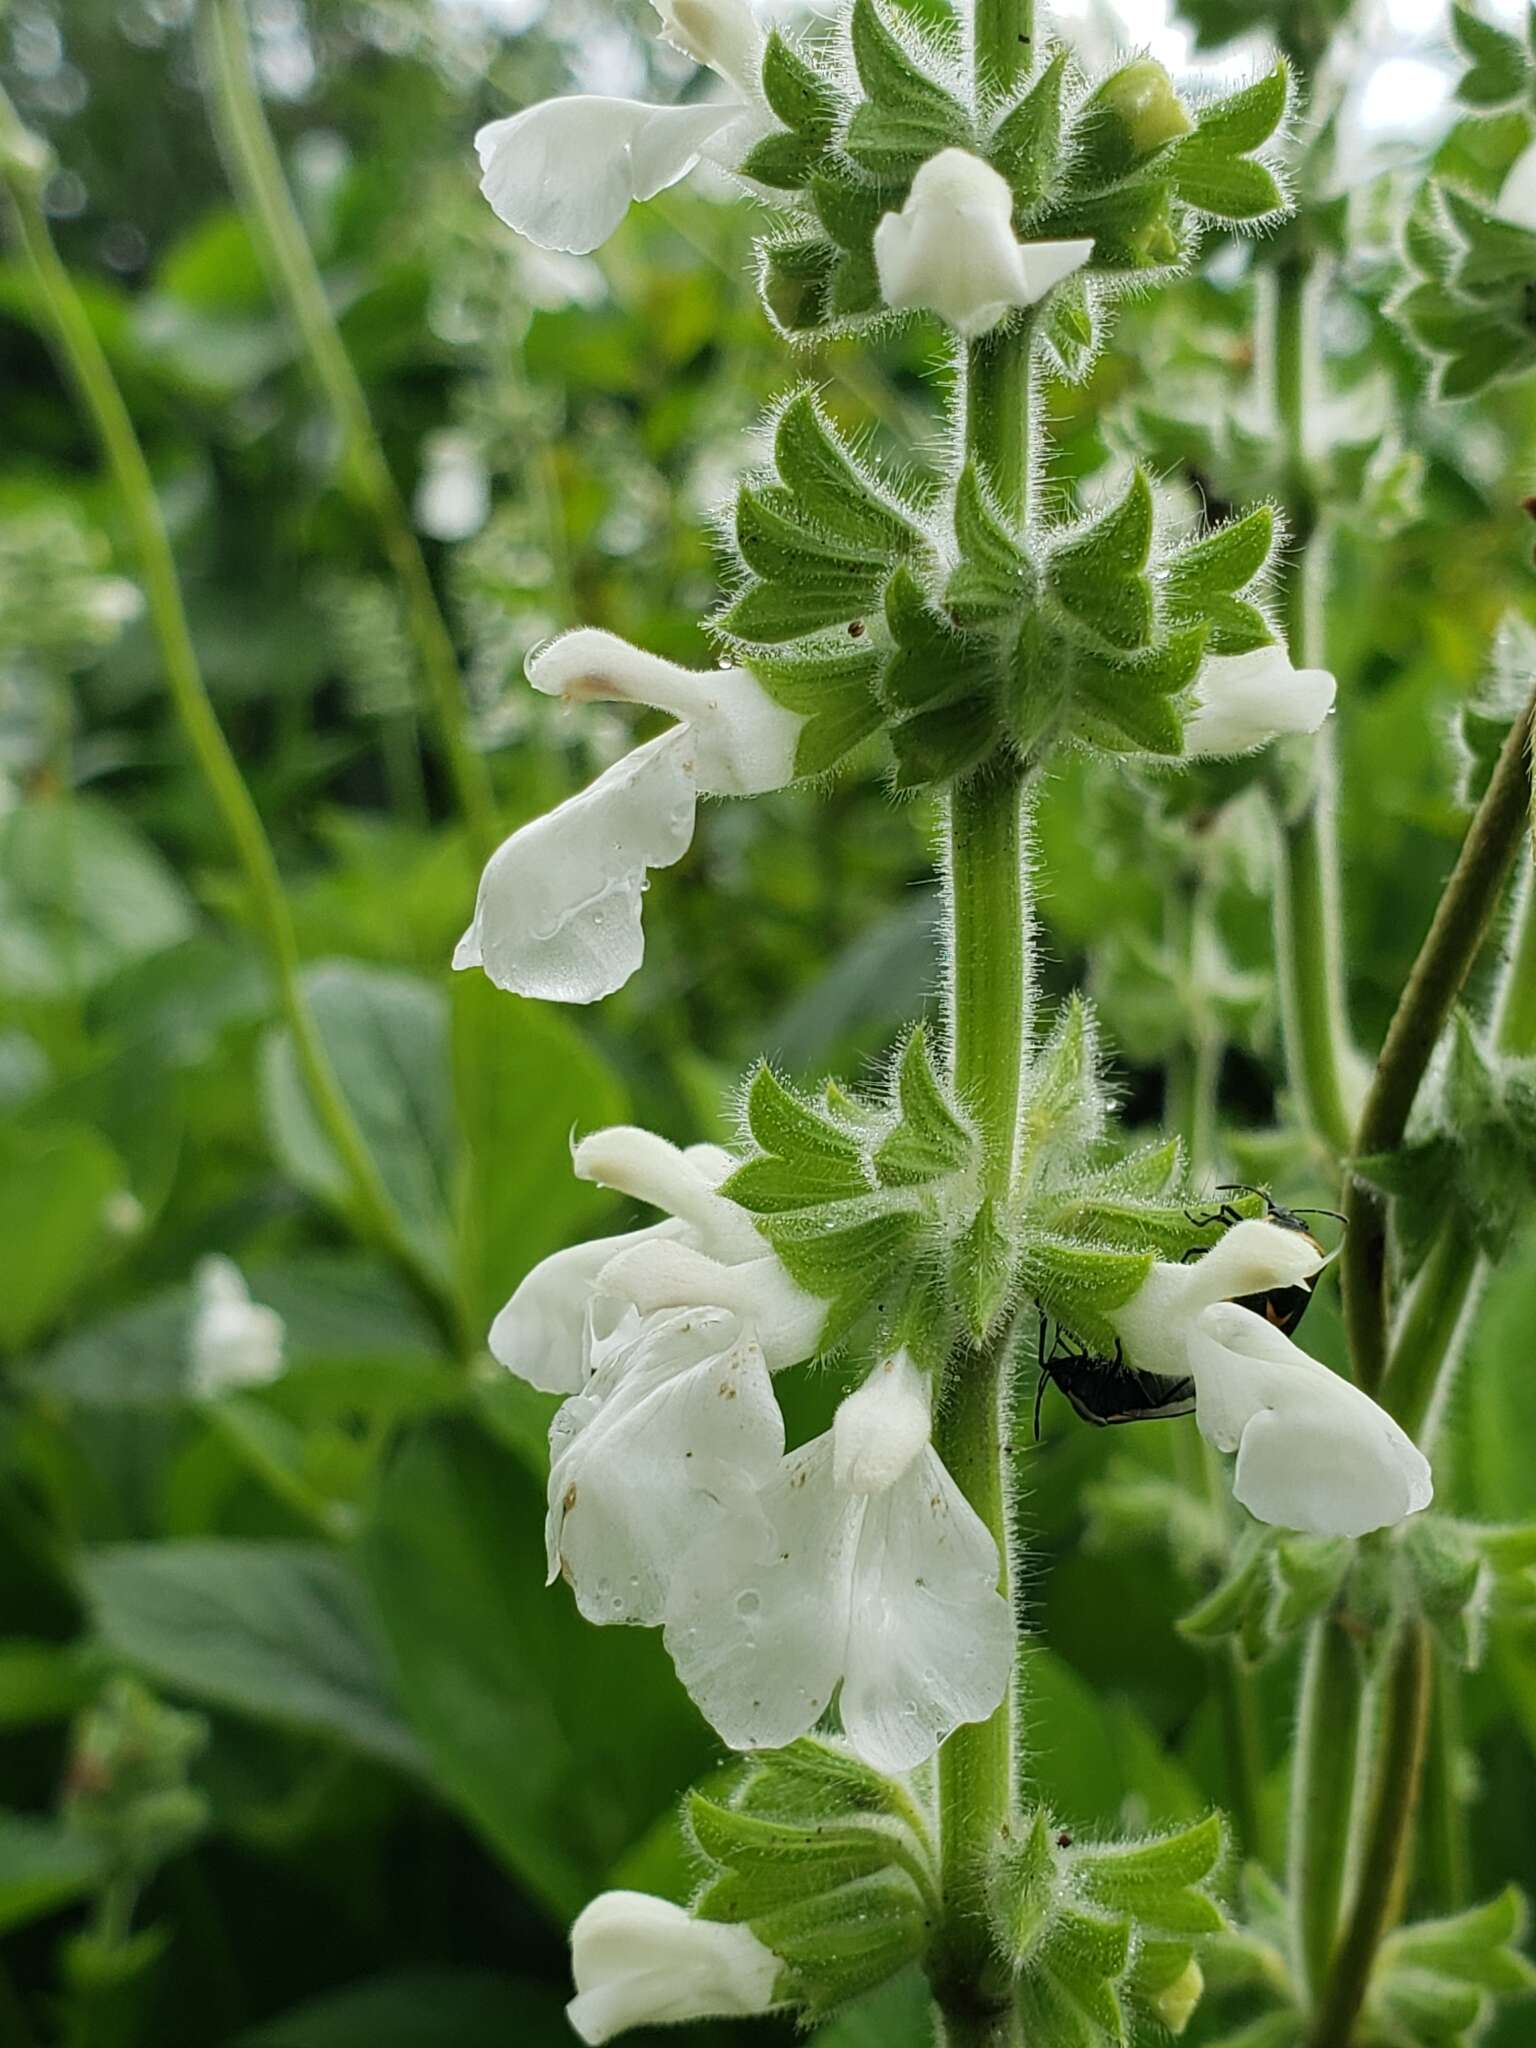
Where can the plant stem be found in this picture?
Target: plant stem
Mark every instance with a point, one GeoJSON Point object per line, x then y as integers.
{"type": "Point", "coordinates": [1445, 1288]}
{"type": "Point", "coordinates": [989, 972]}
{"type": "Point", "coordinates": [257, 174]}
{"type": "Point", "coordinates": [85, 361]}
{"type": "Point", "coordinates": [1447, 1851]}
{"type": "Point", "coordinates": [1327, 1744]}
{"type": "Point", "coordinates": [1308, 942]}
{"type": "Point", "coordinates": [1455, 938]}
{"type": "Point", "coordinates": [1383, 1870]}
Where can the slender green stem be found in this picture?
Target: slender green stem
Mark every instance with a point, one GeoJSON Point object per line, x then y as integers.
{"type": "Point", "coordinates": [1308, 930]}
{"type": "Point", "coordinates": [989, 993]}
{"type": "Point", "coordinates": [998, 399]}
{"type": "Point", "coordinates": [1514, 1011]}
{"type": "Point", "coordinates": [1383, 1869]}
{"type": "Point", "coordinates": [1322, 1795]}
{"type": "Point", "coordinates": [1004, 44]}
{"type": "Point", "coordinates": [257, 174]}
{"type": "Point", "coordinates": [1443, 1291]}
{"type": "Point", "coordinates": [85, 361]}
{"type": "Point", "coordinates": [1447, 1847]}
{"type": "Point", "coordinates": [1456, 934]}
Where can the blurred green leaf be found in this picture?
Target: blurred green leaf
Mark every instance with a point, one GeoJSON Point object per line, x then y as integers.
{"type": "Point", "coordinates": [54, 1188]}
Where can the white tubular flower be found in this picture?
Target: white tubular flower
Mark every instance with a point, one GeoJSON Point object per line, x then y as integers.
{"type": "Point", "coordinates": [675, 1430]}
{"type": "Point", "coordinates": [563, 172]}
{"type": "Point", "coordinates": [1243, 701]}
{"type": "Point", "coordinates": [640, 1961]}
{"type": "Point", "coordinates": [234, 1342]}
{"type": "Point", "coordinates": [865, 1567]}
{"type": "Point", "coordinates": [1516, 202]}
{"type": "Point", "coordinates": [1250, 1258]}
{"type": "Point", "coordinates": [557, 915]}
{"type": "Point", "coordinates": [952, 247]}
{"type": "Point", "coordinates": [1313, 1452]}
{"type": "Point", "coordinates": [707, 1253]}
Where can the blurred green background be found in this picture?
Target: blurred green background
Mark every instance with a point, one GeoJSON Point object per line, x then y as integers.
{"type": "Point", "coordinates": [418, 1763]}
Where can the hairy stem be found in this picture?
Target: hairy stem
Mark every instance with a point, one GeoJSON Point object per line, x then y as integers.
{"type": "Point", "coordinates": [1456, 934]}
{"type": "Point", "coordinates": [1308, 944]}
{"type": "Point", "coordinates": [1383, 1868]}
{"type": "Point", "coordinates": [1322, 1793]}
{"type": "Point", "coordinates": [257, 174]}
{"type": "Point", "coordinates": [86, 363]}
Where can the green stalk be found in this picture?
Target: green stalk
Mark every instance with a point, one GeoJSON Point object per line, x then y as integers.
{"type": "Point", "coordinates": [257, 174]}
{"type": "Point", "coordinates": [1454, 940]}
{"type": "Point", "coordinates": [1445, 1288]}
{"type": "Point", "coordinates": [1308, 932]}
{"type": "Point", "coordinates": [1322, 1796]}
{"type": "Point", "coordinates": [1382, 1876]}
{"type": "Point", "coordinates": [84, 360]}
{"type": "Point", "coordinates": [1447, 1850]}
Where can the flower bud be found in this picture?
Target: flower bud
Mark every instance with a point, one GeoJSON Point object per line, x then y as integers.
{"type": "Point", "coordinates": [1243, 701]}
{"type": "Point", "coordinates": [641, 1961]}
{"type": "Point", "coordinates": [235, 1342]}
{"type": "Point", "coordinates": [952, 247]}
{"type": "Point", "coordinates": [1130, 118]}
{"type": "Point", "coordinates": [720, 33]}
{"type": "Point", "coordinates": [1175, 2003]}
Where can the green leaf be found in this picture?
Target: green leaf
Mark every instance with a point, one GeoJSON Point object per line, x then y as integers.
{"type": "Point", "coordinates": [907, 117]}
{"type": "Point", "coordinates": [803, 100]}
{"type": "Point", "coordinates": [517, 1198]}
{"type": "Point", "coordinates": [931, 662]}
{"type": "Point", "coordinates": [1226, 187]}
{"type": "Point", "coordinates": [1027, 141]}
{"type": "Point", "coordinates": [829, 487]}
{"type": "Point", "coordinates": [54, 1187]}
{"type": "Point", "coordinates": [850, 209]}
{"type": "Point", "coordinates": [797, 281]}
{"type": "Point", "coordinates": [1099, 576]}
{"type": "Point", "coordinates": [857, 1266]}
{"type": "Point", "coordinates": [1499, 65]}
{"type": "Point", "coordinates": [81, 895]}
{"type": "Point", "coordinates": [938, 745]}
{"type": "Point", "coordinates": [412, 2008]}
{"type": "Point", "coordinates": [1245, 120]}
{"type": "Point", "coordinates": [834, 692]}
{"type": "Point", "coordinates": [786, 162]}
{"type": "Point", "coordinates": [770, 613]}
{"type": "Point", "coordinates": [1220, 562]}
{"type": "Point", "coordinates": [777, 545]}
{"type": "Point", "coordinates": [43, 1868]}
{"type": "Point", "coordinates": [386, 1035]}
{"type": "Point", "coordinates": [510, 1693]}
{"type": "Point", "coordinates": [783, 1122]}
{"type": "Point", "coordinates": [929, 1142]}
{"type": "Point", "coordinates": [991, 579]}
{"type": "Point", "coordinates": [1079, 1285]}
{"type": "Point", "coordinates": [279, 1631]}
{"type": "Point", "coordinates": [983, 1271]}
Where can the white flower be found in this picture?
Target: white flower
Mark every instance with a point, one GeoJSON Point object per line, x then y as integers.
{"type": "Point", "coordinates": [675, 1429]}
{"type": "Point", "coordinates": [707, 1254]}
{"type": "Point", "coordinates": [641, 1961]}
{"type": "Point", "coordinates": [952, 247]}
{"type": "Point", "coordinates": [864, 1567]}
{"type": "Point", "coordinates": [1243, 701]}
{"type": "Point", "coordinates": [1252, 1257]}
{"type": "Point", "coordinates": [453, 493]}
{"type": "Point", "coordinates": [558, 910]}
{"type": "Point", "coordinates": [1516, 202]}
{"type": "Point", "coordinates": [234, 1341]}
{"type": "Point", "coordinates": [563, 172]}
{"type": "Point", "coordinates": [1313, 1452]}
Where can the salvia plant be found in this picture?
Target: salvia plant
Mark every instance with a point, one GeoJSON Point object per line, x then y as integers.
{"type": "Point", "coordinates": [969, 1232]}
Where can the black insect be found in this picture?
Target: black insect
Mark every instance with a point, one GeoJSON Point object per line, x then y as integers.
{"type": "Point", "coordinates": [1106, 1390]}
{"type": "Point", "coordinates": [1282, 1306]}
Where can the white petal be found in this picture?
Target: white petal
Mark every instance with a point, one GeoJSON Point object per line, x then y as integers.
{"type": "Point", "coordinates": [1250, 1258]}
{"type": "Point", "coordinates": [785, 1320]}
{"type": "Point", "coordinates": [952, 247]}
{"type": "Point", "coordinates": [720, 33]}
{"type": "Point", "coordinates": [564, 172]}
{"type": "Point", "coordinates": [678, 1424]}
{"type": "Point", "coordinates": [1517, 195]}
{"type": "Point", "coordinates": [642, 1961]}
{"type": "Point", "coordinates": [558, 913]}
{"type": "Point", "coordinates": [648, 1168]}
{"type": "Point", "coordinates": [744, 743]}
{"type": "Point", "coordinates": [1243, 701]}
{"type": "Point", "coordinates": [881, 1428]}
{"type": "Point", "coordinates": [233, 1342]}
{"type": "Point", "coordinates": [1314, 1453]}
{"type": "Point", "coordinates": [930, 1639]}
{"type": "Point", "coordinates": [541, 1333]}
{"type": "Point", "coordinates": [757, 1617]}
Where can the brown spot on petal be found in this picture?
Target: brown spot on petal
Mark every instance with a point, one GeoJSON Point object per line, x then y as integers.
{"type": "Point", "coordinates": [569, 1501]}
